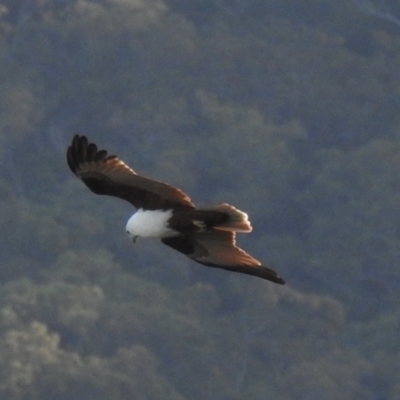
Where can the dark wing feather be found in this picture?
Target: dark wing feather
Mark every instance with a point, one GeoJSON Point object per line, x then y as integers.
{"type": "Point", "coordinates": [217, 249]}
{"type": "Point", "coordinates": [108, 175]}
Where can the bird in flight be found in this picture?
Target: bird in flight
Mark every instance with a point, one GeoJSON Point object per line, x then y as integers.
{"type": "Point", "coordinates": [206, 235]}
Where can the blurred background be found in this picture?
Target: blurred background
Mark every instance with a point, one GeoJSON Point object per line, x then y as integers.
{"type": "Point", "coordinates": [288, 110]}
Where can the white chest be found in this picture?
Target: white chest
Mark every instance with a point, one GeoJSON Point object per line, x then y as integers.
{"type": "Point", "coordinates": [145, 223]}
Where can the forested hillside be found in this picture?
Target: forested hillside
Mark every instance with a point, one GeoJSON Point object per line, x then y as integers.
{"type": "Point", "coordinates": [287, 109]}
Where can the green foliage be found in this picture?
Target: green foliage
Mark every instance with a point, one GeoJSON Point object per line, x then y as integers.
{"type": "Point", "coordinates": [358, 192]}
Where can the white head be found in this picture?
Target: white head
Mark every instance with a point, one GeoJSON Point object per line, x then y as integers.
{"type": "Point", "coordinates": [146, 223]}
{"type": "Point", "coordinates": [131, 231]}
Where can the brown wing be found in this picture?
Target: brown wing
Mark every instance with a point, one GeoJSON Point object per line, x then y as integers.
{"type": "Point", "coordinates": [108, 175]}
{"type": "Point", "coordinates": [217, 249]}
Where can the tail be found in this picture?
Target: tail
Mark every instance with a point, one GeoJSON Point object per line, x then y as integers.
{"type": "Point", "coordinates": [237, 220]}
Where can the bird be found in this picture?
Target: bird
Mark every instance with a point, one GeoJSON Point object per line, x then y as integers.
{"type": "Point", "coordinates": [206, 235]}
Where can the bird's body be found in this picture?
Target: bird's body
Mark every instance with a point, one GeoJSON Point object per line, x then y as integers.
{"type": "Point", "coordinates": [206, 235]}
{"type": "Point", "coordinates": [150, 223]}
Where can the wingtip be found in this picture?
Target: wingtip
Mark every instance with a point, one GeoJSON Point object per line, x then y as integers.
{"type": "Point", "coordinates": [280, 281]}
{"type": "Point", "coordinates": [81, 150]}
{"type": "Point", "coordinates": [271, 275]}
{"type": "Point", "coordinates": [78, 137]}
{"type": "Point", "coordinates": [73, 152]}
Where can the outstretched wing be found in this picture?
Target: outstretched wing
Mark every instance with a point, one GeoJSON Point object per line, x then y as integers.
{"type": "Point", "coordinates": [108, 175]}
{"type": "Point", "coordinates": [217, 249]}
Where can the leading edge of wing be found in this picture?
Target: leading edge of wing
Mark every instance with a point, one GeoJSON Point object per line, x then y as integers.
{"type": "Point", "coordinates": [108, 175]}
